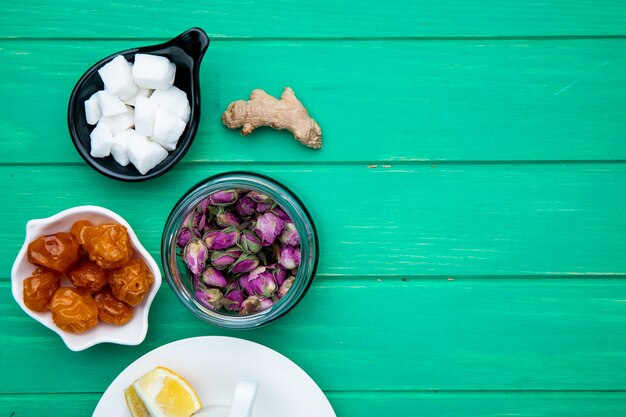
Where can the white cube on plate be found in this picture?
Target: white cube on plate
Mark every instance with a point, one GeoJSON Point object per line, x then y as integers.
{"type": "Point", "coordinates": [101, 141]}
{"type": "Point", "coordinates": [109, 104]}
{"type": "Point", "coordinates": [93, 113]}
{"type": "Point", "coordinates": [174, 99]}
{"type": "Point", "coordinates": [153, 71]}
{"type": "Point", "coordinates": [167, 128]}
{"type": "Point", "coordinates": [145, 154]}
{"type": "Point", "coordinates": [145, 110]}
{"type": "Point", "coordinates": [118, 79]}
{"type": "Point", "coordinates": [141, 92]}
{"type": "Point", "coordinates": [120, 122]}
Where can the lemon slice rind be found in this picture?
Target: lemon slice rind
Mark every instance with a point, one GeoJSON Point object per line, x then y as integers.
{"type": "Point", "coordinates": [162, 393]}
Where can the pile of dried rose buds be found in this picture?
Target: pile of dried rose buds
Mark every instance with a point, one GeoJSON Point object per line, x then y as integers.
{"type": "Point", "coordinates": [242, 251]}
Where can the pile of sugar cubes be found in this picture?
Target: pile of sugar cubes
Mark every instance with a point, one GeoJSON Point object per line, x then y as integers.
{"type": "Point", "coordinates": [140, 114]}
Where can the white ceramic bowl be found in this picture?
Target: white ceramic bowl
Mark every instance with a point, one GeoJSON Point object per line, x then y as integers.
{"type": "Point", "coordinates": [133, 332]}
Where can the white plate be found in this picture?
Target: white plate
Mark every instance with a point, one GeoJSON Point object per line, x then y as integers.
{"type": "Point", "coordinates": [213, 364]}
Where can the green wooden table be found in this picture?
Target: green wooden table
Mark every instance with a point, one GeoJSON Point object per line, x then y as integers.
{"type": "Point", "coordinates": [470, 196]}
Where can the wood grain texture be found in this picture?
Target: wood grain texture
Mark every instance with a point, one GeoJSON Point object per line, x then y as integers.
{"type": "Point", "coordinates": [378, 404]}
{"type": "Point", "coordinates": [322, 19]}
{"type": "Point", "coordinates": [444, 220]}
{"type": "Point", "coordinates": [478, 404]}
{"type": "Point", "coordinates": [476, 269]}
{"type": "Point", "coordinates": [396, 102]}
{"type": "Point", "coordinates": [362, 334]}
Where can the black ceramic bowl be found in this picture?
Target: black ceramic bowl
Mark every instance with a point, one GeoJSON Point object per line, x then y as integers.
{"type": "Point", "coordinates": [186, 51]}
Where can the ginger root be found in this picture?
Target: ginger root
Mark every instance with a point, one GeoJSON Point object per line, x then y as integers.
{"type": "Point", "coordinates": [265, 110]}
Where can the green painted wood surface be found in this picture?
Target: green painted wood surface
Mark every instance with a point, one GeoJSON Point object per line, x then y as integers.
{"type": "Point", "coordinates": [470, 196]}
{"type": "Point", "coordinates": [466, 334]}
{"type": "Point", "coordinates": [421, 220]}
{"type": "Point", "coordinates": [320, 19]}
{"type": "Point", "coordinates": [399, 102]}
{"type": "Point", "coordinates": [381, 404]}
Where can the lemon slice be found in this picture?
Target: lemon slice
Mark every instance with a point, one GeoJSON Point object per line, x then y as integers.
{"type": "Point", "coordinates": [161, 393]}
{"type": "Point", "coordinates": [134, 403]}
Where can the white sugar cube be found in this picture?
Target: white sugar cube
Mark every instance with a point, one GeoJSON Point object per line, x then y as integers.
{"type": "Point", "coordinates": [101, 141]}
{"type": "Point", "coordinates": [109, 104]}
{"type": "Point", "coordinates": [145, 110]}
{"type": "Point", "coordinates": [93, 113]}
{"type": "Point", "coordinates": [120, 122]}
{"type": "Point", "coordinates": [119, 149]}
{"type": "Point", "coordinates": [167, 128]}
{"type": "Point", "coordinates": [153, 71]}
{"type": "Point", "coordinates": [145, 154]}
{"type": "Point", "coordinates": [141, 92]}
{"type": "Point", "coordinates": [118, 77]}
{"type": "Point", "coordinates": [175, 100]}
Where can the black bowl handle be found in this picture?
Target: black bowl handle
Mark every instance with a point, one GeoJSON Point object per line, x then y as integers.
{"type": "Point", "coordinates": [194, 42]}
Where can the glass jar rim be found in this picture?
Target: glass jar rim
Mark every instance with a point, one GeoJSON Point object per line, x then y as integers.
{"type": "Point", "coordinates": [287, 200]}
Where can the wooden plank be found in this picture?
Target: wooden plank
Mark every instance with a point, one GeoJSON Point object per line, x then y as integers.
{"type": "Point", "coordinates": [284, 19]}
{"type": "Point", "coordinates": [372, 403]}
{"type": "Point", "coordinates": [479, 404]}
{"type": "Point", "coordinates": [415, 220]}
{"type": "Point", "coordinates": [37, 405]}
{"type": "Point", "coordinates": [376, 101]}
{"type": "Point", "coordinates": [362, 334]}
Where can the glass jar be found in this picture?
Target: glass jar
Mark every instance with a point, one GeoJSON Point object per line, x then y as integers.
{"type": "Point", "coordinates": [175, 269]}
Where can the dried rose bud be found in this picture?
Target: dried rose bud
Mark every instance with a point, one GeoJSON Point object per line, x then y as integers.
{"type": "Point", "coordinates": [258, 197]}
{"type": "Point", "coordinates": [224, 197]}
{"type": "Point", "coordinates": [244, 283]}
{"type": "Point", "coordinates": [201, 222]}
{"type": "Point", "coordinates": [265, 303]}
{"type": "Point", "coordinates": [194, 220]}
{"type": "Point", "coordinates": [224, 239]}
{"type": "Point", "coordinates": [213, 210]}
{"type": "Point", "coordinates": [285, 287]}
{"type": "Point", "coordinates": [245, 263]}
{"type": "Point", "coordinates": [222, 259]}
{"type": "Point", "coordinates": [255, 273]}
{"type": "Point", "coordinates": [234, 251]}
{"type": "Point", "coordinates": [225, 218]}
{"type": "Point", "coordinates": [249, 242]}
{"type": "Point", "coordinates": [250, 305]}
{"type": "Point", "coordinates": [263, 207]}
{"type": "Point", "coordinates": [264, 284]}
{"type": "Point", "coordinates": [209, 238]}
{"type": "Point", "coordinates": [268, 226]}
{"type": "Point", "coordinates": [289, 257]}
{"type": "Point", "coordinates": [188, 222]}
{"type": "Point", "coordinates": [213, 277]}
{"type": "Point", "coordinates": [185, 236]}
{"type": "Point", "coordinates": [233, 286]}
{"type": "Point", "coordinates": [290, 236]}
{"type": "Point", "coordinates": [195, 255]}
{"type": "Point", "coordinates": [279, 275]}
{"type": "Point", "coordinates": [245, 206]}
{"type": "Point", "coordinates": [232, 300]}
{"type": "Point", "coordinates": [210, 298]}
{"type": "Point", "coordinates": [204, 205]}
{"type": "Point", "coordinates": [281, 214]}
